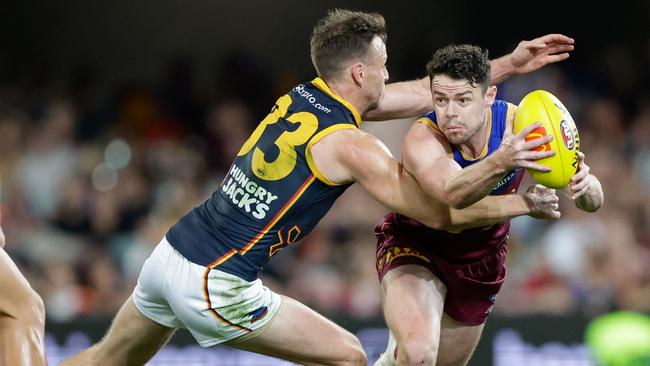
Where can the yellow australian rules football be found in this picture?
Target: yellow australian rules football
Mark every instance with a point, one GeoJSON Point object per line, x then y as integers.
{"type": "Point", "coordinates": [542, 106]}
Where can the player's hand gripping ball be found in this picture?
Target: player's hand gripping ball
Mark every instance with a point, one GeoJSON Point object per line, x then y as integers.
{"type": "Point", "coordinates": [542, 106]}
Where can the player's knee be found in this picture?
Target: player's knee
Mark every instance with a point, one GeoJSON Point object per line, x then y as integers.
{"type": "Point", "coordinates": [417, 352]}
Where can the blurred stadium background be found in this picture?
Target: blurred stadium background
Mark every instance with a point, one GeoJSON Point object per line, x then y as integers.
{"type": "Point", "coordinates": [118, 117]}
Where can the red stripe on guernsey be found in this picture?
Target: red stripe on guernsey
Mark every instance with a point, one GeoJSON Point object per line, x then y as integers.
{"type": "Point", "coordinates": [225, 176]}
{"type": "Point", "coordinates": [279, 215]}
{"type": "Point", "coordinates": [206, 295]}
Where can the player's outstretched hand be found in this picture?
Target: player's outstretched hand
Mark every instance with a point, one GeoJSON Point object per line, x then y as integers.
{"type": "Point", "coordinates": [531, 55]}
{"type": "Point", "coordinates": [543, 202]}
{"type": "Point", "coordinates": [584, 188]}
{"type": "Point", "coordinates": [516, 152]}
{"type": "Point", "coordinates": [580, 181]}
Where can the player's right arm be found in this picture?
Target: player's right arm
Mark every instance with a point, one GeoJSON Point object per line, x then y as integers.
{"type": "Point", "coordinates": [355, 155]}
{"type": "Point", "coordinates": [427, 155]}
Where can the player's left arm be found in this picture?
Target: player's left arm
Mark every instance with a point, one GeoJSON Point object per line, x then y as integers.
{"type": "Point", "coordinates": [427, 155]}
{"type": "Point", "coordinates": [585, 189]}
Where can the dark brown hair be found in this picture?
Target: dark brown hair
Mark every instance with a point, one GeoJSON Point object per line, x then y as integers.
{"type": "Point", "coordinates": [341, 36]}
{"type": "Point", "coordinates": [462, 62]}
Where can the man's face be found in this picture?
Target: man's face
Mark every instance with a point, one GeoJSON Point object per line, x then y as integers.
{"type": "Point", "coordinates": [460, 107]}
{"type": "Point", "coordinates": [375, 72]}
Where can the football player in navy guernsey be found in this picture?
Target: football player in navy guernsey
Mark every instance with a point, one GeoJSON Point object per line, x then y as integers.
{"type": "Point", "coordinates": [203, 276]}
{"type": "Point", "coordinates": [439, 285]}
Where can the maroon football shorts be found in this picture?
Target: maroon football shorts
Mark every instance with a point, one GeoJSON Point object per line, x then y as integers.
{"type": "Point", "coordinates": [471, 287]}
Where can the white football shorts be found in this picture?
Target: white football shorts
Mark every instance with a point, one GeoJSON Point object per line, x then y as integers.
{"type": "Point", "coordinates": [214, 306]}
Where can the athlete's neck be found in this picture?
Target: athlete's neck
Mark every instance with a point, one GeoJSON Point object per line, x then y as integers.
{"type": "Point", "coordinates": [350, 92]}
{"type": "Point", "coordinates": [475, 145]}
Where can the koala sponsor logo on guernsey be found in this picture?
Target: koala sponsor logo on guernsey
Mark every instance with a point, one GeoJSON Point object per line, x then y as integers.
{"type": "Point", "coordinates": [247, 194]}
{"type": "Point", "coordinates": [567, 134]}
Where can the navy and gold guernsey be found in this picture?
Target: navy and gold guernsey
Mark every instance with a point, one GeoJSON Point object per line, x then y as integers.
{"type": "Point", "coordinates": [468, 244]}
{"type": "Point", "coordinates": [273, 194]}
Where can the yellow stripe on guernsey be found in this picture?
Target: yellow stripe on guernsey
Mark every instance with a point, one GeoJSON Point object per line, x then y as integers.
{"type": "Point", "coordinates": [511, 111]}
{"type": "Point", "coordinates": [223, 258]}
{"type": "Point", "coordinates": [310, 157]}
{"type": "Point", "coordinates": [320, 84]}
{"type": "Point", "coordinates": [279, 215]}
{"type": "Point", "coordinates": [429, 123]}
{"type": "Point", "coordinates": [434, 127]}
{"type": "Point", "coordinates": [487, 139]}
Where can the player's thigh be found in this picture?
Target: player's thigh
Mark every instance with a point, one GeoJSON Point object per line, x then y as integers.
{"type": "Point", "coordinates": [457, 342]}
{"type": "Point", "coordinates": [413, 300]}
{"type": "Point", "coordinates": [299, 334]}
{"type": "Point", "coordinates": [132, 338]}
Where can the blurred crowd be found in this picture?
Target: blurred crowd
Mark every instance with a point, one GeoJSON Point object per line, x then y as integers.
{"type": "Point", "coordinates": [93, 176]}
